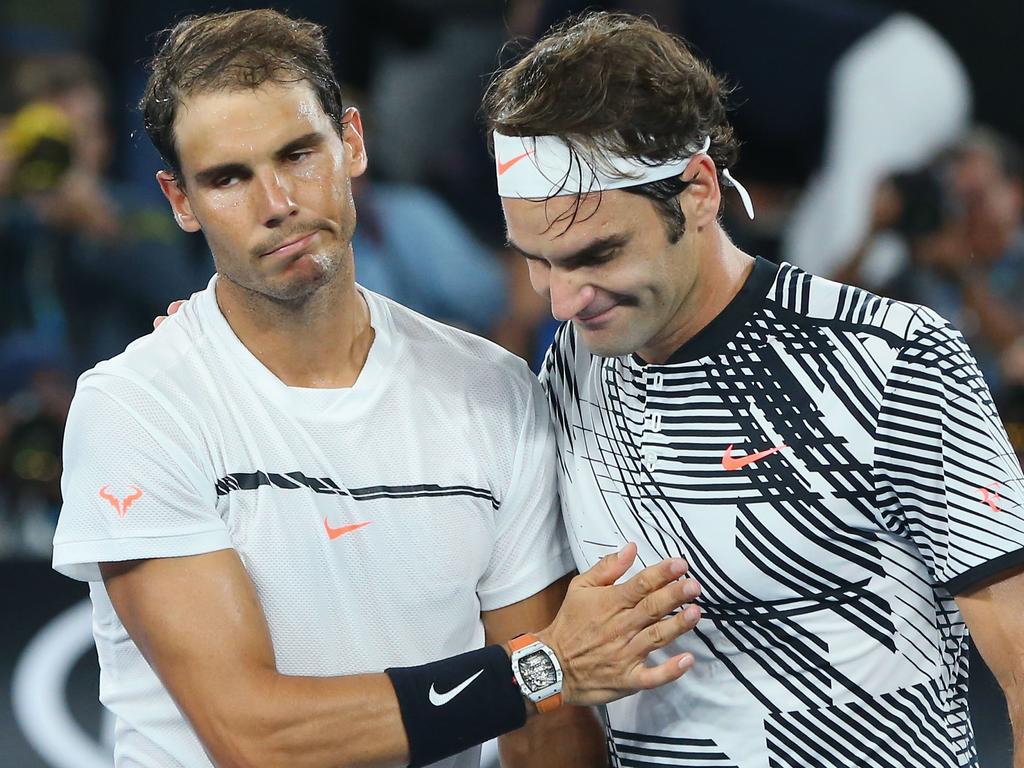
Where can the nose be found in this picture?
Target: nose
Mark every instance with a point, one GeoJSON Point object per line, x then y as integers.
{"type": "Point", "coordinates": [569, 294]}
{"type": "Point", "coordinates": [276, 199]}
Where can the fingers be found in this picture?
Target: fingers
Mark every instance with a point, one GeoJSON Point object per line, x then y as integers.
{"type": "Point", "coordinates": [173, 307]}
{"type": "Point", "coordinates": [608, 569]}
{"type": "Point", "coordinates": [666, 630]}
{"type": "Point", "coordinates": [657, 605]}
{"type": "Point", "coordinates": [652, 677]}
{"type": "Point", "coordinates": [653, 578]}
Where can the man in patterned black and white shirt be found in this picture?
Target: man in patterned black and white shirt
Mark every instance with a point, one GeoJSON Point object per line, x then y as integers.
{"type": "Point", "coordinates": [829, 462]}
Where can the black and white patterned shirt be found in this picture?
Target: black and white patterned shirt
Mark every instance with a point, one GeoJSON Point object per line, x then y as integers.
{"type": "Point", "coordinates": [832, 467]}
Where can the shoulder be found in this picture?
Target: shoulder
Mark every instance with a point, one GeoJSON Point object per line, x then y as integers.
{"type": "Point", "coordinates": [801, 296]}
{"type": "Point", "coordinates": [156, 375]}
{"type": "Point", "coordinates": [456, 359]}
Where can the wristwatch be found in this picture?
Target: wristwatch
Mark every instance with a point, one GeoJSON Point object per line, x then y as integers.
{"type": "Point", "coordinates": [537, 672]}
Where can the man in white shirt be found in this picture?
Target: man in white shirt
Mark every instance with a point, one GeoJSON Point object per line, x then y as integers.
{"type": "Point", "coordinates": [295, 483]}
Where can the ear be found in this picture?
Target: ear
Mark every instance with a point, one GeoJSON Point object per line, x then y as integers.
{"type": "Point", "coordinates": [702, 197]}
{"type": "Point", "coordinates": [352, 137]}
{"type": "Point", "coordinates": [180, 206]}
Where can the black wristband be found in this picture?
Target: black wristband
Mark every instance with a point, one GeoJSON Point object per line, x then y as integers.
{"type": "Point", "coordinates": [451, 705]}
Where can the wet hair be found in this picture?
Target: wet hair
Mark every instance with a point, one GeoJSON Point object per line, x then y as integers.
{"type": "Point", "coordinates": [612, 83]}
{"type": "Point", "coordinates": [234, 51]}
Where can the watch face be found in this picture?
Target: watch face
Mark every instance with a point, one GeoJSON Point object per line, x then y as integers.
{"type": "Point", "coordinates": [537, 671]}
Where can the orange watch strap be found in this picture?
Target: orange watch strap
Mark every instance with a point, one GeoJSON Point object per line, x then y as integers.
{"type": "Point", "coordinates": [521, 641]}
{"type": "Point", "coordinates": [549, 704]}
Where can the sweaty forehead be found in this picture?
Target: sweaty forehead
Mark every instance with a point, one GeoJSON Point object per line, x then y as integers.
{"type": "Point", "coordinates": [230, 124]}
{"type": "Point", "coordinates": [545, 225]}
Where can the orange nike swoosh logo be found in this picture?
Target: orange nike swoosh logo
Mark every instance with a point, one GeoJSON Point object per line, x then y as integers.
{"type": "Point", "coordinates": [341, 530]}
{"type": "Point", "coordinates": [990, 495]}
{"type": "Point", "coordinates": [502, 167]}
{"type": "Point", "coordinates": [728, 462]}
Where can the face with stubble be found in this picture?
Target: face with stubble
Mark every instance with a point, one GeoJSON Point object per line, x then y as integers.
{"type": "Point", "coordinates": [613, 272]}
{"type": "Point", "coordinates": [266, 176]}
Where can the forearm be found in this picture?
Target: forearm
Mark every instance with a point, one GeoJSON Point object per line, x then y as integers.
{"type": "Point", "coordinates": [305, 722]}
{"type": "Point", "coordinates": [1015, 706]}
{"type": "Point", "coordinates": [571, 737]}
{"type": "Point", "coordinates": [994, 618]}
{"type": "Point", "coordinates": [198, 622]}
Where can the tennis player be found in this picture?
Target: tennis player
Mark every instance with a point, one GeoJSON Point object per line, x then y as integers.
{"type": "Point", "coordinates": [828, 461]}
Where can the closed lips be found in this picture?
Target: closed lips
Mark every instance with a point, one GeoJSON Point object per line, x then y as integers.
{"type": "Point", "coordinates": [590, 314]}
{"type": "Point", "coordinates": [297, 241]}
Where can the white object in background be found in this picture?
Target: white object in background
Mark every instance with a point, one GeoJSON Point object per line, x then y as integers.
{"type": "Point", "coordinates": [38, 698]}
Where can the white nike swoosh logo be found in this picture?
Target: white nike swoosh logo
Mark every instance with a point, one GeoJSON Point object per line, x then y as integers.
{"type": "Point", "coordinates": [440, 699]}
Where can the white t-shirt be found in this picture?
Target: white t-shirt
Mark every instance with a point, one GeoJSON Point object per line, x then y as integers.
{"type": "Point", "coordinates": [376, 522]}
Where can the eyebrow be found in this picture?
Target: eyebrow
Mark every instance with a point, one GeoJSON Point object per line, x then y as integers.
{"type": "Point", "coordinates": [585, 255]}
{"type": "Point", "coordinates": [209, 175]}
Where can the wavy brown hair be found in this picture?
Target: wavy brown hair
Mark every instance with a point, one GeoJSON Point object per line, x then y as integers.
{"type": "Point", "coordinates": [616, 83]}
{"type": "Point", "coordinates": [236, 50]}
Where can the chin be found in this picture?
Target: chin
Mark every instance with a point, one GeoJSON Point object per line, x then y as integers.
{"type": "Point", "coordinates": [307, 274]}
{"type": "Point", "coordinates": [605, 343]}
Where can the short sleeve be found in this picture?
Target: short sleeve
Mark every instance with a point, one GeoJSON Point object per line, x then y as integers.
{"type": "Point", "coordinates": [131, 486]}
{"type": "Point", "coordinates": [530, 550]}
{"type": "Point", "coordinates": [944, 468]}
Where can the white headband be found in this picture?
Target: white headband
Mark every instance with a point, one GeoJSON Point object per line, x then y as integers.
{"type": "Point", "coordinates": [543, 166]}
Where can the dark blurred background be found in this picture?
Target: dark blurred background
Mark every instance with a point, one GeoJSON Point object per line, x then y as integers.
{"type": "Point", "coordinates": [882, 148]}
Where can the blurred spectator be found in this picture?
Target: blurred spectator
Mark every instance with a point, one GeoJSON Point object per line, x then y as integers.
{"type": "Point", "coordinates": [963, 220]}
{"type": "Point", "coordinates": [92, 259]}
{"type": "Point", "coordinates": [897, 95]}
{"type": "Point", "coordinates": [1012, 409]}
{"type": "Point", "coordinates": [426, 93]}
{"type": "Point", "coordinates": [438, 74]}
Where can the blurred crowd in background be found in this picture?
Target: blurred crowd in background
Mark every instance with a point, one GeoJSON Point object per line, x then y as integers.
{"type": "Point", "coordinates": [881, 148]}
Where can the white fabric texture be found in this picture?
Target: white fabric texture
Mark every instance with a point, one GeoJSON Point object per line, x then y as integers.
{"type": "Point", "coordinates": [899, 95]}
{"type": "Point", "coordinates": [443, 447]}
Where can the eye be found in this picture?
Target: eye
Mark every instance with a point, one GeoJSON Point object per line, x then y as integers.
{"type": "Point", "coordinates": [224, 182]}
{"type": "Point", "coordinates": [299, 156]}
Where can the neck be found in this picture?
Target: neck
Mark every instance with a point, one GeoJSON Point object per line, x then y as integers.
{"type": "Point", "coordinates": [320, 342]}
{"type": "Point", "coordinates": [721, 271]}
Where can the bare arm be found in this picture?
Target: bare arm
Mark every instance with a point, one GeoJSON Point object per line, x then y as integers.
{"type": "Point", "coordinates": [200, 625]}
{"type": "Point", "coordinates": [994, 614]}
{"type": "Point", "coordinates": [569, 737]}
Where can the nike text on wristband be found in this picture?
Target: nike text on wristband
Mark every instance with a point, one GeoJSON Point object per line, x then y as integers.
{"type": "Point", "coordinates": [451, 705]}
